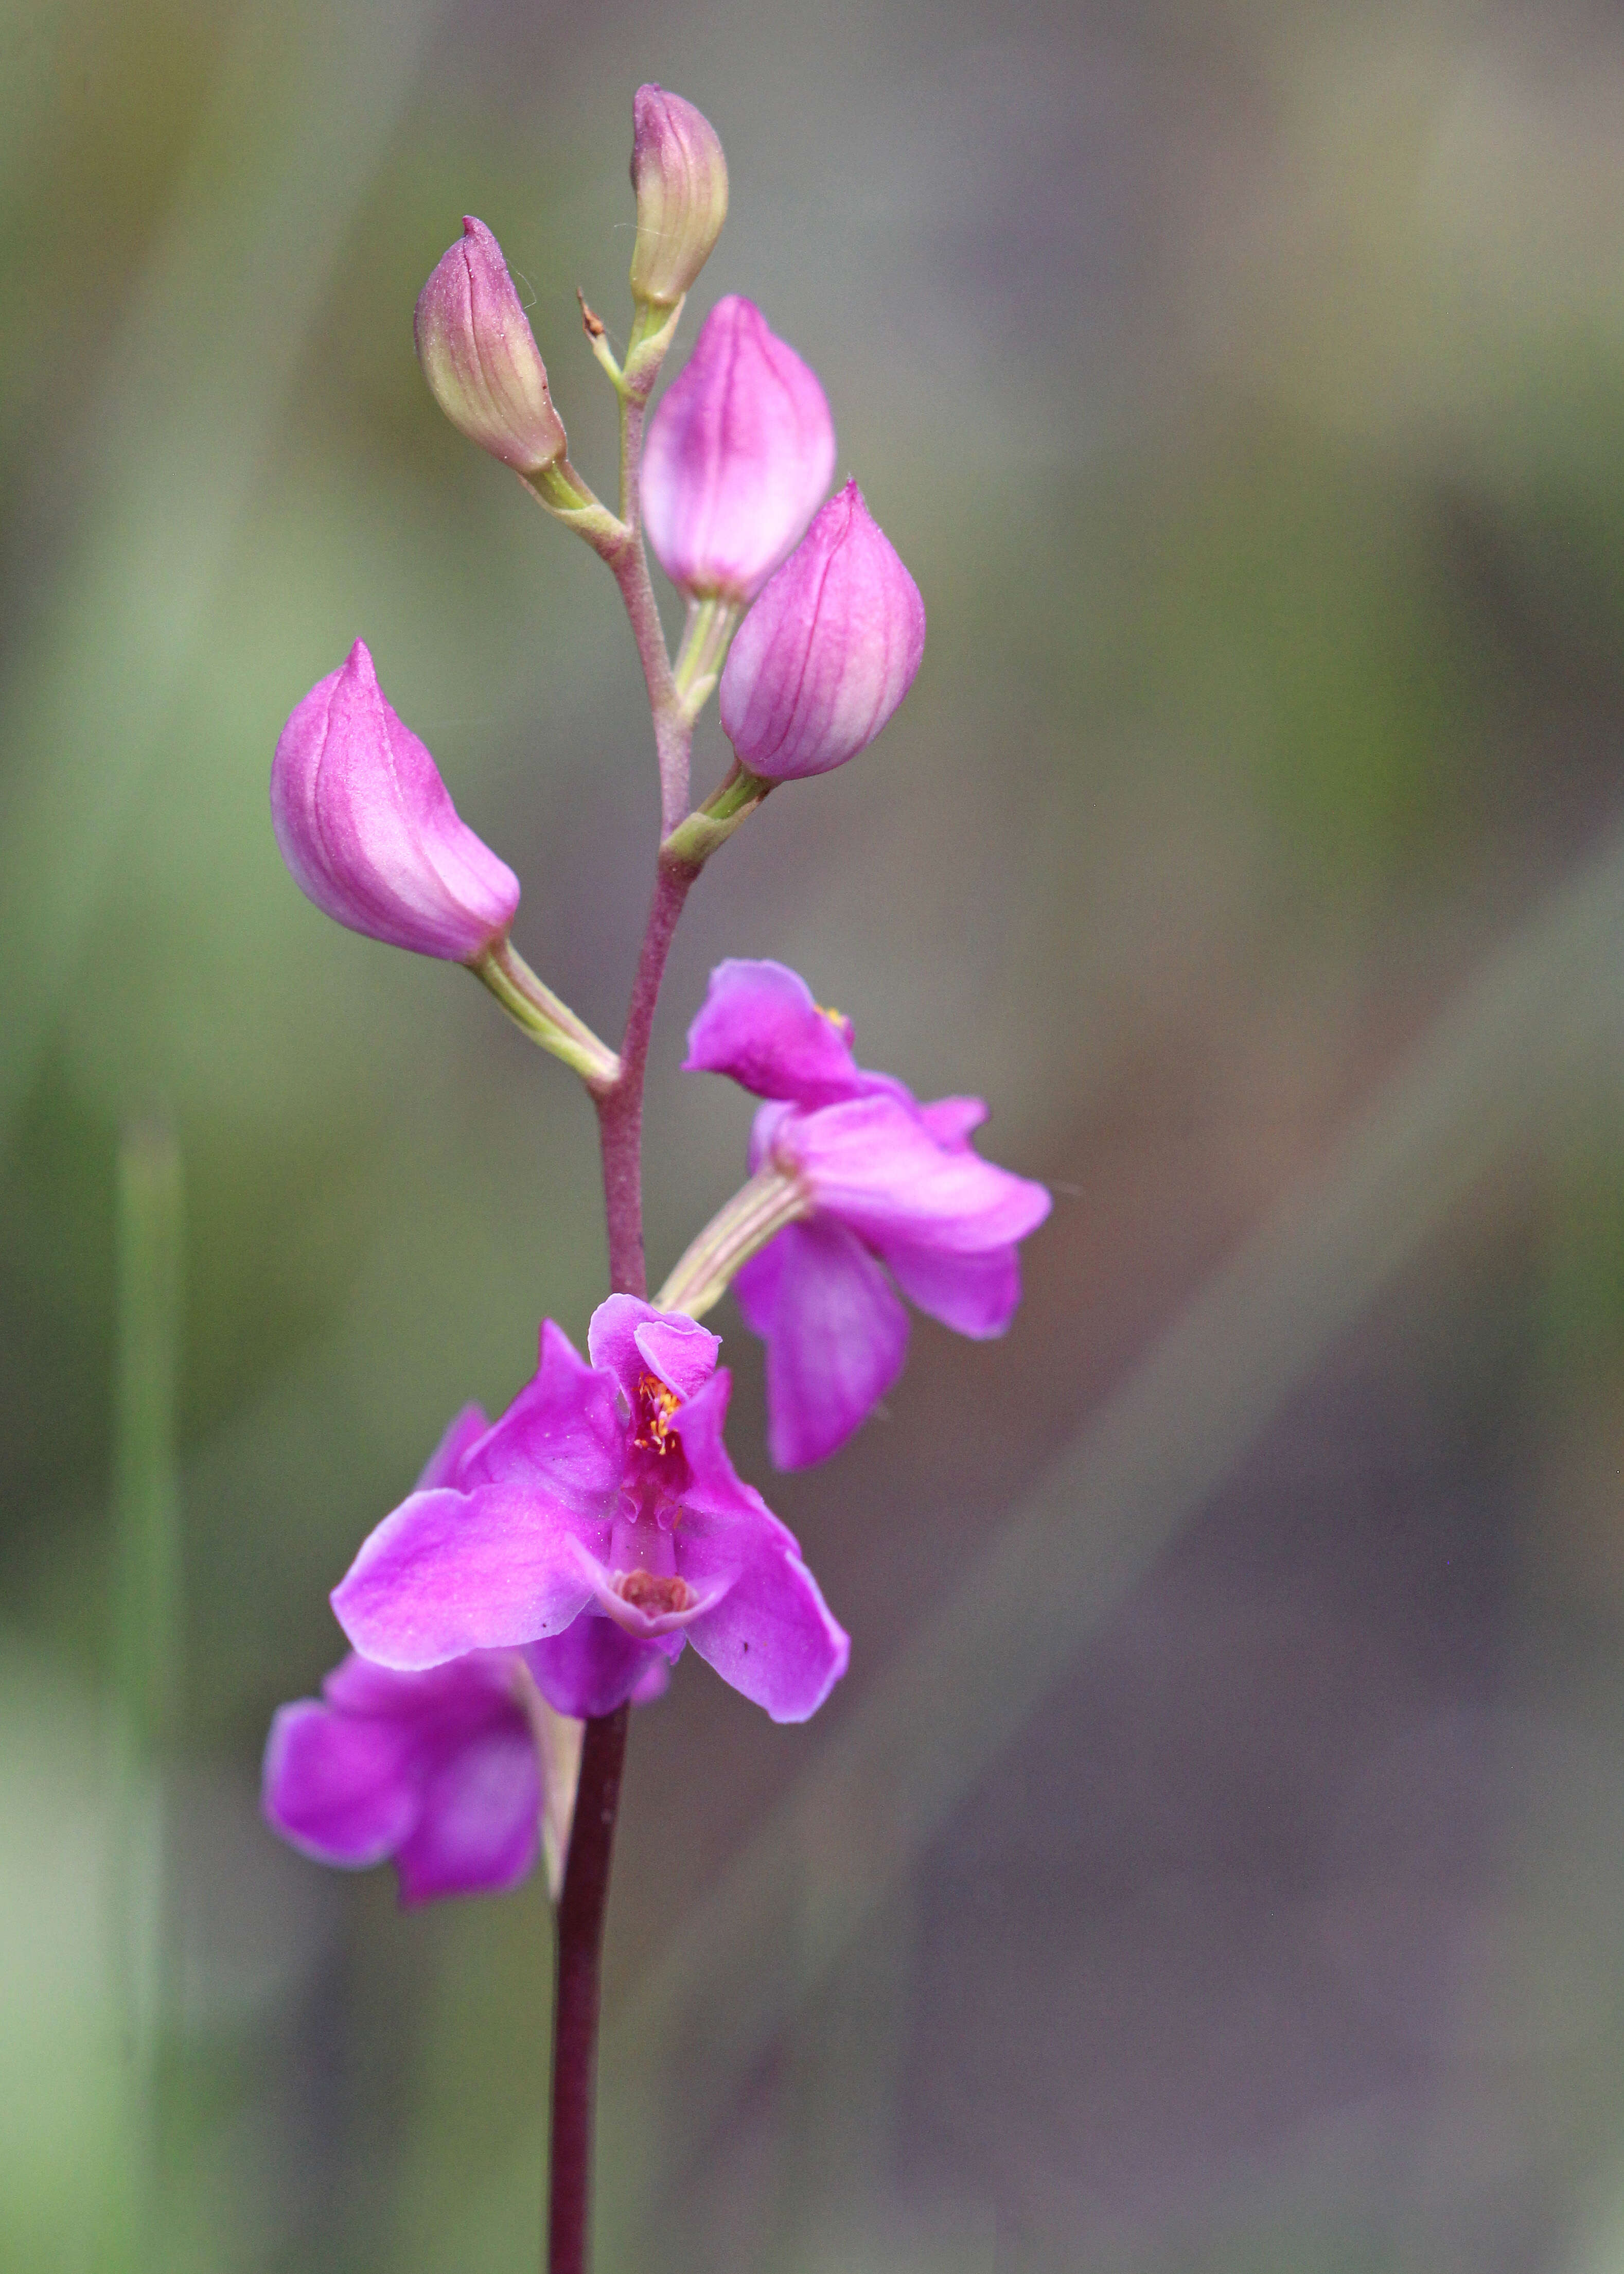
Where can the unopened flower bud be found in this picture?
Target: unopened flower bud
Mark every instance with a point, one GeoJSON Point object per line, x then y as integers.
{"type": "Point", "coordinates": [368, 829]}
{"type": "Point", "coordinates": [679, 177]}
{"type": "Point", "coordinates": [738, 456]}
{"type": "Point", "coordinates": [827, 652]}
{"type": "Point", "coordinates": [480, 358]}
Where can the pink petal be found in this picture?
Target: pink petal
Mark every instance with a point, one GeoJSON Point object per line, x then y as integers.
{"type": "Point", "coordinates": [873, 1163]}
{"type": "Point", "coordinates": [630, 1339]}
{"type": "Point", "coordinates": [342, 1790]}
{"type": "Point", "coordinates": [447, 1457]}
{"type": "Point", "coordinates": [770, 1634]}
{"type": "Point", "coordinates": [738, 456]}
{"type": "Point", "coordinates": [368, 829]}
{"type": "Point", "coordinates": [452, 1572]}
{"type": "Point", "coordinates": [835, 1331]}
{"type": "Point", "coordinates": [761, 1026]}
{"type": "Point", "coordinates": [975, 1295]}
{"type": "Point", "coordinates": [593, 1667]}
{"type": "Point", "coordinates": [562, 1435]}
{"type": "Point", "coordinates": [478, 1824]}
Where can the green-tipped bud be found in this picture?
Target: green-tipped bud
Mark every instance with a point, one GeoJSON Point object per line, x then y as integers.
{"type": "Point", "coordinates": [680, 175]}
{"type": "Point", "coordinates": [480, 358]}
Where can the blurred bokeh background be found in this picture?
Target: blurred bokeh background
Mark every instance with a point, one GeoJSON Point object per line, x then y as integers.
{"type": "Point", "coordinates": [1214, 1863]}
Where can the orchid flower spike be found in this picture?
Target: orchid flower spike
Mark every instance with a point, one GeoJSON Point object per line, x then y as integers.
{"type": "Point", "coordinates": [480, 358]}
{"type": "Point", "coordinates": [368, 829]}
{"type": "Point", "coordinates": [884, 1194]}
{"type": "Point", "coordinates": [679, 179]}
{"type": "Point", "coordinates": [738, 456]}
{"type": "Point", "coordinates": [599, 1526]}
{"type": "Point", "coordinates": [827, 652]}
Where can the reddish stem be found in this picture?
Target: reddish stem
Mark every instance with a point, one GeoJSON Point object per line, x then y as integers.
{"type": "Point", "coordinates": [585, 1895]}
{"type": "Point", "coordinates": [582, 1905]}
{"type": "Point", "coordinates": [620, 1107]}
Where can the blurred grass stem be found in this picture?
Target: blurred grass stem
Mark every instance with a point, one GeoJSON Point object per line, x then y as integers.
{"type": "Point", "coordinates": [146, 1640]}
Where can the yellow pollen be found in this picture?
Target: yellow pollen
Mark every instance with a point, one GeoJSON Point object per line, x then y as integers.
{"type": "Point", "coordinates": [656, 1404]}
{"type": "Point", "coordinates": [834, 1017]}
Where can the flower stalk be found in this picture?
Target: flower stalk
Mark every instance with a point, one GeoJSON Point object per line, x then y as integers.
{"type": "Point", "coordinates": [544, 1016]}
{"type": "Point", "coordinates": [756, 1213]}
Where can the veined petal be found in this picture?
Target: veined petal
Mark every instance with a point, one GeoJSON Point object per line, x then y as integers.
{"type": "Point", "coordinates": [452, 1572]}
{"type": "Point", "coordinates": [479, 1820]}
{"type": "Point", "coordinates": [345, 1791]}
{"type": "Point", "coordinates": [872, 1162]}
{"type": "Point", "coordinates": [835, 1331]}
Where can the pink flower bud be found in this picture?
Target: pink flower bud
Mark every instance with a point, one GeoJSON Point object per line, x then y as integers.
{"type": "Point", "coordinates": [480, 358]}
{"type": "Point", "coordinates": [366, 825]}
{"type": "Point", "coordinates": [827, 652]}
{"type": "Point", "coordinates": [738, 456]}
{"type": "Point", "coordinates": [679, 177]}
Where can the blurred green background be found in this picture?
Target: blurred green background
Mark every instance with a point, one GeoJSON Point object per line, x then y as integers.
{"type": "Point", "coordinates": [1214, 1863]}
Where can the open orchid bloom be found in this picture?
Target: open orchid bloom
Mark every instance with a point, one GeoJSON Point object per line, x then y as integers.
{"type": "Point", "coordinates": [893, 1195]}
{"type": "Point", "coordinates": [601, 1521]}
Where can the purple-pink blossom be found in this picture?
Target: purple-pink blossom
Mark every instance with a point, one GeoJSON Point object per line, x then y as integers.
{"type": "Point", "coordinates": [437, 1772]}
{"type": "Point", "coordinates": [737, 458]}
{"type": "Point", "coordinates": [828, 651]}
{"type": "Point", "coordinates": [368, 829]}
{"type": "Point", "coordinates": [601, 1522]}
{"type": "Point", "coordinates": [895, 1194]}
{"type": "Point", "coordinates": [479, 354]}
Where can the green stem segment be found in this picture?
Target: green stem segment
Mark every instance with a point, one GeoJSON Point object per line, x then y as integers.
{"type": "Point", "coordinates": [545, 1017]}
{"type": "Point", "coordinates": [754, 1215]}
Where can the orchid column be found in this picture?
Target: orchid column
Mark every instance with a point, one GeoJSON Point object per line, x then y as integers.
{"type": "Point", "coordinates": [551, 1567]}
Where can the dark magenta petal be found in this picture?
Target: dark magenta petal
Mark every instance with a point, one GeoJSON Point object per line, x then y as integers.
{"type": "Point", "coordinates": [478, 1824]}
{"type": "Point", "coordinates": [562, 1437]}
{"type": "Point", "coordinates": [975, 1295]}
{"type": "Point", "coordinates": [368, 829]}
{"type": "Point", "coordinates": [738, 458]}
{"type": "Point", "coordinates": [344, 1790]}
{"type": "Point", "coordinates": [594, 1665]}
{"type": "Point", "coordinates": [447, 1457]}
{"type": "Point", "coordinates": [631, 1338]}
{"type": "Point", "coordinates": [836, 1336]}
{"type": "Point", "coordinates": [761, 1026]}
{"type": "Point", "coordinates": [874, 1164]}
{"type": "Point", "coordinates": [770, 1634]}
{"type": "Point", "coordinates": [451, 1572]}
{"type": "Point", "coordinates": [828, 651]}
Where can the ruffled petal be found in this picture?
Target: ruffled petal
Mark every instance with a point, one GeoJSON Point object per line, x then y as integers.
{"type": "Point", "coordinates": [479, 1821]}
{"type": "Point", "coordinates": [770, 1634]}
{"type": "Point", "coordinates": [451, 1572]}
{"type": "Point", "coordinates": [594, 1665]}
{"type": "Point", "coordinates": [975, 1295]}
{"type": "Point", "coordinates": [344, 1790]}
{"type": "Point", "coordinates": [836, 1336]}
